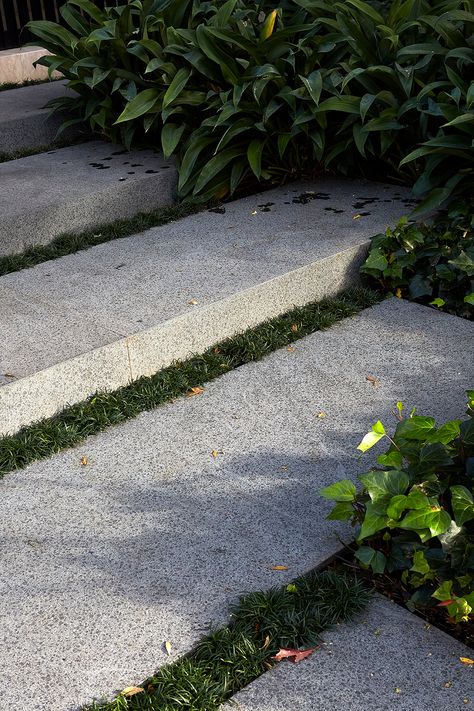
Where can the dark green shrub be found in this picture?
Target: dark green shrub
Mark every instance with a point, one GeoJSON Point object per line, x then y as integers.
{"type": "Point", "coordinates": [242, 91]}
{"type": "Point", "coordinates": [415, 514]}
{"type": "Point", "coordinates": [431, 263]}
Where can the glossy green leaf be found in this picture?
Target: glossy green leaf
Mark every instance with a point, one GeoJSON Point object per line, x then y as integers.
{"type": "Point", "coordinates": [343, 490]}
{"type": "Point", "coordinates": [143, 102]}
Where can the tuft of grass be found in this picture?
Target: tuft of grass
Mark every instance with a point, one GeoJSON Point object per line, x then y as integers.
{"type": "Point", "coordinates": [7, 85]}
{"type": "Point", "coordinates": [104, 409]}
{"type": "Point", "coordinates": [68, 243]}
{"type": "Point", "coordinates": [232, 657]}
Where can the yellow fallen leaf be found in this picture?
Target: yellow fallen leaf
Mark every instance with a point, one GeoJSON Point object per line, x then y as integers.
{"type": "Point", "coordinates": [194, 391]}
{"type": "Point", "coordinates": [215, 453]}
{"type": "Point", "coordinates": [279, 567]}
{"type": "Point", "coordinates": [266, 642]}
{"type": "Point", "coordinates": [254, 212]}
{"type": "Point", "coordinates": [321, 415]}
{"type": "Point", "coordinates": [398, 293]}
{"type": "Point", "coordinates": [84, 461]}
{"type": "Point", "coordinates": [466, 660]}
{"type": "Point", "coordinates": [132, 690]}
{"type": "Point", "coordinates": [193, 302]}
{"type": "Point", "coordinates": [398, 690]}
{"type": "Point", "coordinates": [168, 647]}
{"type": "Point", "coordinates": [356, 217]}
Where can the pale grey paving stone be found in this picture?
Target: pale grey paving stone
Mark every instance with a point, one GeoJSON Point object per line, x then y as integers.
{"type": "Point", "coordinates": [25, 122]}
{"type": "Point", "coordinates": [388, 660]}
{"type": "Point", "coordinates": [77, 188]}
{"type": "Point", "coordinates": [180, 288]}
{"type": "Point", "coordinates": [155, 537]}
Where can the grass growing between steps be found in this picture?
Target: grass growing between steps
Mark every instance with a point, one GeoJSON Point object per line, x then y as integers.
{"type": "Point", "coordinates": [75, 423]}
{"type": "Point", "coordinates": [69, 243]}
{"type": "Point", "coordinates": [230, 658]}
{"type": "Point", "coordinates": [25, 152]}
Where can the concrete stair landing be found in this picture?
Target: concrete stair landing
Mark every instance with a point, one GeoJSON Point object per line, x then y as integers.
{"type": "Point", "coordinates": [100, 318]}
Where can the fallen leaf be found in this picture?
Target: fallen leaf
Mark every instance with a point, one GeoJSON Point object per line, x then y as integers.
{"type": "Point", "coordinates": [294, 655]}
{"type": "Point", "coordinates": [377, 632]}
{"type": "Point", "coordinates": [151, 689]}
{"type": "Point", "coordinates": [9, 375]}
{"type": "Point", "coordinates": [398, 293]}
{"type": "Point", "coordinates": [254, 212]}
{"type": "Point", "coordinates": [266, 642]}
{"type": "Point", "coordinates": [168, 647]}
{"type": "Point", "coordinates": [294, 328]}
{"type": "Point", "coordinates": [279, 567]}
{"type": "Point", "coordinates": [194, 391]}
{"type": "Point", "coordinates": [448, 684]}
{"type": "Point", "coordinates": [321, 415]}
{"type": "Point", "coordinates": [290, 349]}
{"type": "Point", "coordinates": [193, 302]}
{"type": "Point", "coordinates": [284, 469]}
{"type": "Point", "coordinates": [215, 453]}
{"type": "Point", "coordinates": [465, 701]}
{"type": "Point", "coordinates": [356, 217]}
{"type": "Point", "coordinates": [132, 690]}
{"type": "Point", "coordinates": [372, 379]}
{"type": "Point", "coordinates": [397, 690]}
{"type": "Point", "coordinates": [466, 660]}
{"type": "Point", "coordinates": [216, 350]}
{"type": "Point", "coordinates": [84, 461]}
{"type": "Point", "coordinates": [291, 588]}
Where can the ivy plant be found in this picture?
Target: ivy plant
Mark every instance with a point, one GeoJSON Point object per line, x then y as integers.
{"type": "Point", "coordinates": [414, 512]}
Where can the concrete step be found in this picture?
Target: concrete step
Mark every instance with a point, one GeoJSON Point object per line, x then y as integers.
{"type": "Point", "coordinates": [16, 65]}
{"type": "Point", "coordinates": [100, 318]}
{"type": "Point", "coordinates": [77, 188]}
{"type": "Point", "coordinates": [390, 659]}
{"type": "Point", "coordinates": [154, 537]}
{"type": "Point", "coordinates": [25, 122]}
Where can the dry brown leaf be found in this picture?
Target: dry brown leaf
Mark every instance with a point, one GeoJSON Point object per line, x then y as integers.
{"type": "Point", "coordinates": [132, 690]}
{"type": "Point", "coordinates": [84, 461]}
{"type": "Point", "coordinates": [266, 642]}
{"type": "Point", "coordinates": [290, 349]}
{"type": "Point", "coordinates": [194, 391]}
{"type": "Point", "coordinates": [321, 415]}
{"type": "Point", "coordinates": [294, 655]}
{"type": "Point", "coordinates": [168, 647]}
{"type": "Point", "coordinates": [279, 567]}
{"type": "Point", "coordinates": [448, 684]}
{"type": "Point", "coordinates": [467, 660]}
{"type": "Point", "coordinates": [294, 327]}
{"type": "Point", "coordinates": [193, 302]}
{"type": "Point", "coordinates": [372, 379]}
{"type": "Point", "coordinates": [150, 689]}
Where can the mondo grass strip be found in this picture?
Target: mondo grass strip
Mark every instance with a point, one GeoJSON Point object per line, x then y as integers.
{"type": "Point", "coordinates": [227, 660]}
{"type": "Point", "coordinates": [73, 424]}
{"type": "Point", "coordinates": [68, 243]}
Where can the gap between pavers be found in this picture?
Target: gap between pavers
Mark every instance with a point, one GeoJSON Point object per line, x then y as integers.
{"type": "Point", "coordinates": [388, 660]}
{"type": "Point", "coordinates": [76, 188]}
{"type": "Point", "coordinates": [99, 318]}
{"type": "Point", "coordinates": [154, 537]}
{"type": "Point", "coordinates": [24, 120]}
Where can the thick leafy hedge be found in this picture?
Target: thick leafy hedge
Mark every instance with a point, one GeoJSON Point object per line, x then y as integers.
{"type": "Point", "coordinates": [270, 90]}
{"type": "Point", "coordinates": [415, 514]}
{"type": "Point", "coordinates": [432, 263]}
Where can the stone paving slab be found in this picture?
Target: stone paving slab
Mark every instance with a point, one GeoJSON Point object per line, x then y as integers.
{"type": "Point", "coordinates": [159, 296]}
{"type": "Point", "coordinates": [389, 660]}
{"type": "Point", "coordinates": [76, 188]}
{"type": "Point", "coordinates": [24, 120]}
{"type": "Point", "coordinates": [155, 537]}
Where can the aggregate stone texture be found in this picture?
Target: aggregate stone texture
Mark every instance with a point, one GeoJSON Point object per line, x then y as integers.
{"type": "Point", "coordinates": [178, 289]}
{"type": "Point", "coordinates": [77, 188]}
{"type": "Point", "coordinates": [25, 122]}
{"type": "Point", "coordinates": [388, 660]}
{"type": "Point", "coordinates": [179, 511]}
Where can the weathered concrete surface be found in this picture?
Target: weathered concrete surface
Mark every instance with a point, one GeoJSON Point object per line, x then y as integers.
{"type": "Point", "coordinates": [16, 65]}
{"type": "Point", "coordinates": [76, 188]}
{"type": "Point", "coordinates": [153, 538]}
{"type": "Point", "coordinates": [24, 120]}
{"type": "Point", "coordinates": [159, 296]}
{"type": "Point", "coordinates": [389, 660]}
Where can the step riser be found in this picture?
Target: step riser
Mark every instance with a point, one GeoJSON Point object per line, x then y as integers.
{"type": "Point", "coordinates": [117, 364]}
{"type": "Point", "coordinates": [16, 65]}
{"type": "Point", "coordinates": [46, 195]}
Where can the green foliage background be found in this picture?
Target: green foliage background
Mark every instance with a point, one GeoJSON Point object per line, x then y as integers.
{"type": "Point", "coordinates": [244, 91]}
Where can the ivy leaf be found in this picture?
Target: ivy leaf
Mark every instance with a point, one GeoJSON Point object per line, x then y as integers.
{"type": "Point", "coordinates": [434, 519]}
{"type": "Point", "coordinates": [383, 484]}
{"type": "Point", "coordinates": [342, 511]}
{"type": "Point", "coordinates": [462, 503]}
{"type": "Point", "coordinates": [420, 564]}
{"type": "Point", "coordinates": [373, 521]}
{"type": "Point", "coordinates": [416, 427]}
{"type": "Point", "coordinates": [397, 506]}
{"type": "Point", "coordinates": [372, 437]}
{"type": "Point", "coordinates": [343, 490]}
{"type": "Point", "coordinates": [369, 557]}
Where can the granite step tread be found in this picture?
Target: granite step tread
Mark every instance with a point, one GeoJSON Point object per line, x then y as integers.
{"type": "Point", "coordinates": [155, 536]}
{"type": "Point", "coordinates": [388, 659]}
{"type": "Point", "coordinates": [76, 188]}
{"type": "Point", "coordinates": [25, 123]}
{"type": "Point", "coordinates": [100, 318]}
